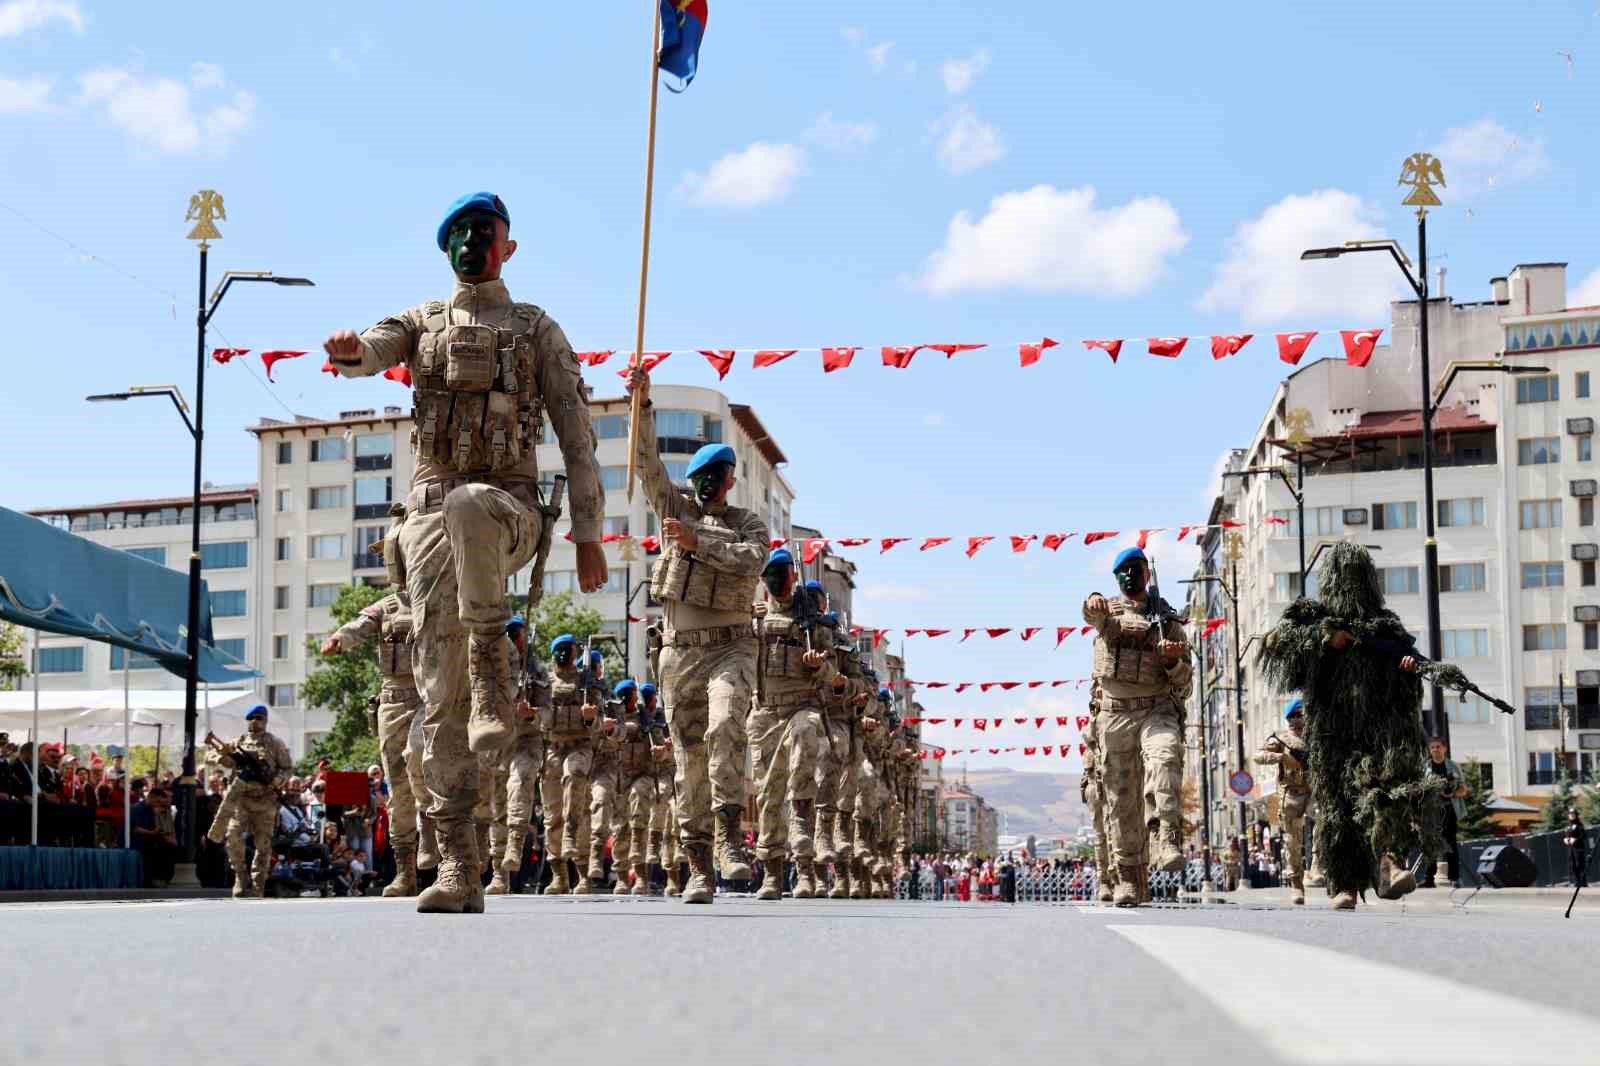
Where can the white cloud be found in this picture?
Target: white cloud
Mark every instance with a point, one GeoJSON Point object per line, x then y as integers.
{"type": "Point", "coordinates": [878, 54]}
{"type": "Point", "coordinates": [761, 174]}
{"type": "Point", "coordinates": [1587, 293]}
{"type": "Point", "coordinates": [855, 36]}
{"type": "Point", "coordinates": [20, 16]}
{"type": "Point", "coordinates": [959, 74]}
{"type": "Point", "coordinates": [1046, 239]}
{"type": "Point", "coordinates": [26, 94]}
{"type": "Point", "coordinates": [841, 135]}
{"type": "Point", "coordinates": [1263, 279]}
{"type": "Point", "coordinates": [886, 592]}
{"type": "Point", "coordinates": [966, 142]}
{"type": "Point", "coordinates": [158, 112]}
{"type": "Point", "coordinates": [1485, 156]}
{"type": "Point", "coordinates": [206, 76]}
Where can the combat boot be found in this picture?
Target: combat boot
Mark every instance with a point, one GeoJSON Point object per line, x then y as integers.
{"type": "Point", "coordinates": [800, 823]}
{"type": "Point", "coordinates": [459, 887]}
{"type": "Point", "coordinates": [497, 884]}
{"type": "Point", "coordinates": [841, 881]}
{"type": "Point", "coordinates": [1299, 897]}
{"type": "Point", "coordinates": [583, 887]}
{"type": "Point", "coordinates": [1344, 901]}
{"type": "Point", "coordinates": [771, 878]}
{"type": "Point", "coordinates": [701, 882]}
{"type": "Point", "coordinates": [405, 873]}
{"type": "Point", "coordinates": [1107, 884]}
{"type": "Point", "coordinates": [805, 885]}
{"type": "Point", "coordinates": [1169, 849]}
{"type": "Point", "coordinates": [494, 692]}
{"type": "Point", "coordinates": [1127, 893]}
{"type": "Point", "coordinates": [558, 885]}
{"type": "Point", "coordinates": [511, 858]}
{"type": "Point", "coordinates": [827, 849]}
{"type": "Point", "coordinates": [641, 879]}
{"type": "Point", "coordinates": [621, 887]}
{"type": "Point", "coordinates": [732, 859]}
{"type": "Point", "coordinates": [844, 838]}
{"type": "Point", "coordinates": [672, 881]}
{"type": "Point", "coordinates": [858, 887]}
{"type": "Point", "coordinates": [1394, 879]}
{"type": "Point", "coordinates": [427, 844]}
{"type": "Point", "coordinates": [241, 885]}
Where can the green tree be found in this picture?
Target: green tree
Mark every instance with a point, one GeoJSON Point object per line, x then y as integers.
{"type": "Point", "coordinates": [13, 660]}
{"type": "Point", "coordinates": [343, 684]}
{"type": "Point", "coordinates": [1474, 824]}
{"type": "Point", "coordinates": [559, 614]}
{"type": "Point", "coordinates": [1554, 815]}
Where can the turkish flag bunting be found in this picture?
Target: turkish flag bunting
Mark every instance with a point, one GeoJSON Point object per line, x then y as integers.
{"type": "Point", "coordinates": [877, 637]}
{"type": "Point", "coordinates": [1061, 722]}
{"type": "Point", "coordinates": [1038, 723]}
{"type": "Point", "coordinates": [900, 357]}
{"type": "Point", "coordinates": [605, 538]}
{"type": "Point", "coordinates": [270, 358]}
{"type": "Point", "coordinates": [1029, 631]}
{"type": "Point", "coordinates": [975, 545]}
{"type": "Point", "coordinates": [853, 542]}
{"type": "Point", "coordinates": [1020, 544]}
{"type": "Point", "coordinates": [400, 373]}
{"type": "Point", "coordinates": [1063, 632]}
{"type": "Point", "coordinates": [776, 542]}
{"type": "Point", "coordinates": [1212, 625]}
{"type": "Point", "coordinates": [1081, 749]}
{"type": "Point", "coordinates": [935, 721]}
{"type": "Point", "coordinates": [1059, 684]}
{"type": "Point", "coordinates": [1274, 520]}
{"type": "Point", "coordinates": [767, 356]}
{"type": "Point", "coordinates": [1083, 721]}
{"type": "Point", "coordinates": [329, 368]}
{"type": "Point", "coordinates": [1291, 346]}
{"type": "Point", "coordinates": [932, 684]}
{"type": "Point", "coordinates": [837, 358]}
{"type": "Point", "coordinates": [1035, 684]}
{"type": "Point", "coordinates": [965, 633]}
{"type": "Point", "coordinates": [996, 722]}
{"type": "Point", "coordinates": [813, 548]}
{"type": "Point", "coordinates": [985, 686]}
{"type": "Point", "coordinates": [1167, 346]}
{"type": "Point", "coordinates": [1007, 686]}
{"type": "Point", "coordinates": [936, 632]}
{"type": "Point", "coordinates": [933, 542]}
{"type": "Point", "coordinates": [993, 633]}
{"type": "Point", "coordinates": [1230, 523]}
{"type": "Point", "coordinates": [1048, 748]}
{"type": "Point", "coordinates": [222, 355]}
{"type": "Point", "coordinates": [855, 631]}
{"type": "Point", "coordinates": [994, 751]}
{"type": "Point", "coordinates": [1111, 348]}
{"type": "Point", "coordinates": [888, 542]}
{"type": "Point", "coordinates": [912, 632]}
{"type": "Point", "coordinates": [1030, 353]}
{"type": "Point", "coordinates": [1358, 345]}
{"type": "Point", "coordinates": [911, 721]}
{"type": "Point", "coordinates": [650, 361]}
{"type": "Point", "coordinates": [1020, 721]}
{"type": "Point", "coordinates": [1184, 531]}
{"type": "Point", "coordinates": [950, 350]}
{"type": "Point", "coordinates": [1144, 537]}
{"type": "Point", "coordinates": [1030, 751]}
{"type": "Point", "coordinates": [922, 755]}
{"type": "Point", "coordinates": [635, 618]}
{"type": "Point", "coordinates": [938, 753]}
{"type": "Point", "coordinates": [1055, 540]}
{"type": "Point", "coordinates": [650, 544]}
{"type": "Point", "coordinates": [955, 723]}
{"type": "Point", "coordinates": [980, 724]}
{"type": "Point", "coordinates": [720, 358]}
{"type": "Point", "coordinates": [593, 358]}
{"type": "Point", "coordinates": [962, 687]}
{"type": "Point", "coordinates": [1092, 538]}
{"type": "Point", "coordinates": [1222, 347]}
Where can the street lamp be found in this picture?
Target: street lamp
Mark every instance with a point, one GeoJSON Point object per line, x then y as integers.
{"type": "Point", "coordinates": [1207, 884]}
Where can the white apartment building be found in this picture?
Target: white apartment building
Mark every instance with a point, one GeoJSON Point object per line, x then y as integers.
{"type": "Point", "coordinates": [1514, 486]}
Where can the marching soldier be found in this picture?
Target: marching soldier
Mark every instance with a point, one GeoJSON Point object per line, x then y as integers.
{"type": "Point", "coordinates": [260, 763]}
{"type": "Point", "coordinates": [485, 370]}
{"type": "Point", "coordinates": [640, 747]}
{"type": "Point", "coordinates": [838, 763]}
{"type": "Point", "coordinates": [520, 767]}
{"type": "Point", "coordinates": [1092, 788]}
{"type": "Point", "coordinates": [868, 865]}
{"type": "Point", "coordinates": [1142, 667]}
{"type": "Point", "coordinates": [570, 728]}
{"type": "Point", "coordinates": [1288, 751]}
{"type": "Point", "coordinates": [713, 554]}
{"type": "Point", "coordinates": [603, 790]}
{"type": "Point", "coordinates": [663, 816]}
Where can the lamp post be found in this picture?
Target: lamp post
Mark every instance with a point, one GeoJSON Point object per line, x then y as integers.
{"type": "Point", "coordinates": [1207, 885]}
{"type": "Point", "coordinates": [1296, 487]}
{"type": "Point", "coordinates": [1235, 549]}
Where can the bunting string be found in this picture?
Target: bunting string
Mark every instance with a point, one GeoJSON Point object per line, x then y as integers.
{"type": "Point", "coordinates": [985, 724]}
{"type": "Point", "coordinates": [1041, 751]}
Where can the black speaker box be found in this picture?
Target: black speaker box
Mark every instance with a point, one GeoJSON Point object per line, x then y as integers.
{"type": "Point", "coordinates": [1503, 866]}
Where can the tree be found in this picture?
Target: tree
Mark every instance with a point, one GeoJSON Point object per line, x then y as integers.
{"type": "Point", "coordinates": [343, 684]}
{"type": "Point", "coordinates": [13, 661]}
{"type": "Point", "coordinates": [1474, 824]}
{"type": "Point", "coordinates": [558, 614]}
{"type": "Point", "coordinates": [1554, 816]}
{"type": "Point", "coordinates": [1589, 805]}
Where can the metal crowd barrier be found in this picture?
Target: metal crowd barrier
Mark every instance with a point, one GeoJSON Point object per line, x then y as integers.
{"type": "Point", "coordinates": [1061, 887]}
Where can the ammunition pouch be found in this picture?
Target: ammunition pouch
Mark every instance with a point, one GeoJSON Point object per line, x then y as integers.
{"type": "Point", "coordinates": [681, 577]}
{"type": "Point", "coordinates": [392, 560]}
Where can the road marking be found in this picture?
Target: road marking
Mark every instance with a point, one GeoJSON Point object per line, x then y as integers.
{"type": "Point", "coordinates": [1313, 1005]}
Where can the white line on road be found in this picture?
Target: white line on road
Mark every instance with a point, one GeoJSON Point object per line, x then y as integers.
{"type": "Point", "coordinates": [1313, 1005]}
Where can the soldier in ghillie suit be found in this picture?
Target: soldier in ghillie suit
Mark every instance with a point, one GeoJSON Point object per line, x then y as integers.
{"type": "Point", "coordinates": [1358, 670]}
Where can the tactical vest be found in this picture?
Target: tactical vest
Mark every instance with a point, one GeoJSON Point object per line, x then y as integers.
{"type": "Point", "coordinates": [476, 404]}
{"type": "Point", "coordinates": [562, 719]}
{"type": "Point", "coordinates": [783, 647]}
{"type": "Point", "coordinates": [634, 757]}
{"type": "Point", "coordinates": [1292, 778]}
{"type": "Point", "coordinates": [395, 643]}
{"type": "Point", "coordinates": [680, 577]}
{"type": "Point", "coordinates": [1125, 650]}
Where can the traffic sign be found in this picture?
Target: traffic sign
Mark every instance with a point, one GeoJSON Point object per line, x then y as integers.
{"type": "Point", "coordinates": [1241, 782]}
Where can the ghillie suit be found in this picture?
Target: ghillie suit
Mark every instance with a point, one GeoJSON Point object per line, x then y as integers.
{"type": "Point", "coordinates": [1363, 724]}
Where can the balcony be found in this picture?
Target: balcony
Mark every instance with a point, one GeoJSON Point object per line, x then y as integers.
{"type": "Point", "coordinates": [368, 561]}
{"type": "Point", "coordinates": [374, 462]}
{"type": "Point", "coordinates": [1541, 777]}
{"type": "Point", "coordinates": [368, 511]}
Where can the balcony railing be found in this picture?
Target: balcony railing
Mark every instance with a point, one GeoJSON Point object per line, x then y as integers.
{"type": "Point", "coordinates": [374, 462]}
{"type": "Point", "coordinates": [369, 561]}
{"type": "Point", "coordinates": [365, 511]}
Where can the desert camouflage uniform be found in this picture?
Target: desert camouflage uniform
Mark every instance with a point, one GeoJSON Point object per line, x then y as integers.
{"type": "Point", "coordinates": [838, 765]}
{"type": "Point", "coordinates": [708, 658]}
{"type": "Point", "coordinates": [604, 805]}
{"type": "Point", "coordinates": [664, 816]}
{"type": "Point", "coordinates": [564, 789]}
{"type": "Point", "coordinates": [1288, 753]}
{"type": "Point", "coordinates": [483, 368]}
{"type": "Point", "coordinates": [255, 809]}
{"type": "Point", "coordinates": [511, 800]}
{"type": "Point", "coordinates": [872, 800]}
{"type": "Point", "coordinates": [1092, 788]}
{"type": "Point", "coordinates": [637, 793]}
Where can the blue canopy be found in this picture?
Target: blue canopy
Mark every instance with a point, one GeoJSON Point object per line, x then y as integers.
{"type": "Point", "coordinates": [58, 582]}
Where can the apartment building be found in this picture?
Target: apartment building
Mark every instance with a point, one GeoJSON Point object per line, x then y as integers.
{"type": "Point", "coordinates": [972, 825]}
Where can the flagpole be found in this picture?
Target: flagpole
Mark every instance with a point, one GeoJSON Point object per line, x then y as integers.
{"type": "Point", "coordinates": [644, 251]}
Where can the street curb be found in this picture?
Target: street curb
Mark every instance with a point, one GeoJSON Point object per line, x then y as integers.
{"type": "Point", "coordinates": [110, 895]}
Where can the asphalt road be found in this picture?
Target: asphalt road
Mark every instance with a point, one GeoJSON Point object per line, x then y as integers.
{"type": "Point", "coordinates": [596, 979]}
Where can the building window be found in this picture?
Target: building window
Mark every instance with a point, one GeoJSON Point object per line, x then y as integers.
{"type": "Point", "coordinates": [1581, 383]}
{"type": "Point", "coordinates": [280, 598]}
{"type": "Point", "coordinates": [1286, 586]}
{"type": "Point", "coordinates": [1546, 637]}
{"type": "Point", "coordinates": [1538, 451]}
{"type": "Point", "coordinates": [229, 603]}
{"type": "Point", "coordinates": [136, 661]}
{"type": "Point", "coordinates": [366, 537]}
{"type": "Point", "coordinates": [1542, 389]}
{"type": "Point", "coordinates": [615, 527]}
{"type": "Point", "coordinates": [611, 427]}
{"type": "Point", "coordinates": [1472, 709]}
{"type": "Point", "coordinates": [328, 449]}
{"type": "Point", "coordinates": [373, 445]}
{"type": "Point", "coordinates": [1462, 577]}
{"type": "Point", "coordinates": [1399, 580]}
{"type": "Point", "coordinates": [225, 555]}
{"type": "Point", "coordinates": [1586, 574]}
{"type": "Point", "coordinates": [280, 695]}
{"type": "Point", "coordinates": [284, 501]}
{"type": "Point", "coordinates": [1543, 575]}
{"type": "Point", "coordinates": [1591, 636]}
{"type": "Point", "coordinates": [1467, 511]}
{"type": "Point", "coordinates": [322, 595]}
{"type": "Point", "coordinates": [1585, 448]}
{"type": "Point", "coordinates": [325, 546]}
{"type": "Point", "coordinates": [280, 646]}
{"type": "Point", "coordinates": [1394, 515]}
{"type": "Point", "coordinates": [61, 660]}
{"type": "Point", "coordinates": [283, 549]}
{"type": "Point", "coordinates": [560, 581]}
{"type": "Point", "coordinates": [677, 471]}
{"type": "Point", "coordinates": [1464, 643]}
{"type": "Point", "coordinates": [1586, 510]}
{"type": "Point", "coordinates": [614, 478]}
{"type": "Point", "coordinates": [371, 490]}
{"type": "Point", "coordinates": [1541, 514]}
{"type": "Point", "coordinates": [154, 555]}
{"type": "Point", "coordinates": [1539, 706]}
{"type": "Point", "coordinates": [285, 453]}
{"type": "Point", "coordinates": [327, 497]}
{"type": "Point", "coordinates": [233, 648]}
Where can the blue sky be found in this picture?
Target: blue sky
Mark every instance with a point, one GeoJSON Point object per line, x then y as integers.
{"type": "Point", "coordinates": [893, 173]}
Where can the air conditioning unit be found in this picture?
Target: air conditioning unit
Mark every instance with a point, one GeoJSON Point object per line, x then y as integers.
{"type": "Point", "coordinates": [1579, 427]}
{"type": "Point", "coordinates": [1355, 516]}
{"type": "Point", "coordinates": [1589, 740]}
{"type": "Point", "coordinates": [1586, 612]}
{"type": "Point", "coordinates": [1584, 487]}
{"type": "Point", "coordinates": [1588, 678]}
{"type": "Point", "coordinates": [1585, 553]}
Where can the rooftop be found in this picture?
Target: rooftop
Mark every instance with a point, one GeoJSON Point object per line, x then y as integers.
{"type": "Point", "coordinates": [222, 495]}
{"type": "Point", "coordinates": [361, 416]}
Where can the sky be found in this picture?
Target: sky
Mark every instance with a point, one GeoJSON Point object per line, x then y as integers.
{"type": "Point", "coordinates": [895, 173]}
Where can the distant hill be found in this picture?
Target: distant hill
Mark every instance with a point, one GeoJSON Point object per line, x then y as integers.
{"type": "Point", "coordinates": [1045, 804]}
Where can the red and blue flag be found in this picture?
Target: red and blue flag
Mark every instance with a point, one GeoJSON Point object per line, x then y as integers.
{"type": "Point", "coordinates": [683, 25]}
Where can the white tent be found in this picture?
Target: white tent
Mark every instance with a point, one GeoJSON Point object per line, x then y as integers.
{"type": "Point", "coordinates": [94, 716]}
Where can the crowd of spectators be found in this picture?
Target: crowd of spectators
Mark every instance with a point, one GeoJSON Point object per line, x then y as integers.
{"type": "Point", "coordinates": [80, 796]}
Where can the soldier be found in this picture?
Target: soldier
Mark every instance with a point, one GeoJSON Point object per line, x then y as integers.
{"type": "Point", "coordinates": [254, 797]}
{"type": "Point", "coordinates": [1092, 788]}
{"type": "Point", "coordinates": [485, 370]}
{"type": "Point", "coordinates": [520, 767]}
{"type": "Point", "coordinates": [570, 727]}
{"type": "Point", "coordinates": [713, 553]}
{"type": "Point", "coordinates": [1288, 754]}
{"type": "Point", "coordinates": [388, 621]}
{"type": "Point", "coordinates": [838, 762]}
{"type": "Point", "coordinates": [868, 865]}
{"type": "Point", "coordinates": [1142, 666]}
{"type": "Point", "coordinates": [641, 747]}
{"type": "Point", "coordinates": [792, 676]}
{"type": "Point", "coordinates": [603, 788]}
{"type": "Point", "coordinates": [663, 816]}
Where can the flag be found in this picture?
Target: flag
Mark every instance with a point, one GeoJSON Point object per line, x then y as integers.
{"type": "Point", "coordinates": [775, 543]}
{"type": "Point", "coordinates": [270, 358]}
{"type": "Point", "coordinates": [648, 361]}
{"type": "Point", "coordinates": [1030, 353]}
{"type": "Point", "coordinates": [837, 358]}
{"type": "Point", "coordinates": [889, 542]}
{"type": "Point", "coordinates": [1184, 531]}
{"type": "Point", "coordinates": [1020, 544]}
{"type": "Point", "coordinates": [1167, 346]}
{"type": "Point", "coordinates": [950, 350]}
{"type": "Point", "coordinates": [813, 548]}
{"type": "Point", "coordinates": [996, 633]}
{"type": "Point", "coordinates": [1062, 633]}
{"type": "Point", "coordinates": [222, 355]}
{"type": "Point", "coordinates": [401, 373]}
{"type": "Point", "coordinates": [935, 632]}
{"type": "Point", "coordinates": [900, 358]}
{"type": "Point", "coordinates": [1111, 348]}
{"type": "Point", "coordinates": [1027, 634]}
{"type": "Point", "coordinates": [1291, 346]}
{"type": "Point", "coordinates": [965, 633]}
{"type": "Point", "coordinates": [721, 359]}
{"type": "Point", "coordinates": [853, 542]}
{"type": "Point", "coordinates": [1358, 344]}
{"type": "Point", "coordinates": [877, 637]}
{"type": "Point", "coordinates": [593, 358]}
{"type": "Point", "coordinates": [975, 545]}
{"type": "Point", "coordinates": [1222, 347]}
{"type": "Point", "coordinates": [1144, 537]}
{"type": "Point", "coordinates": [1055, 540]}
{"type": "Point", "coordinates": [1030, 751]}
{"type": "Point", "coordinates": [329, 368]}
{"type": "Point", "coordinates": [768, 356]}
{"type": "Point", "coordinates": [1083, 722]}
{"type": "Point", "coordinates": [683, 26]}
{"type": "Point", "coordinates": [1091, 538]}
{"type": "Point", "coordinates": [1212, 625]}
{"type": "Point", "coordinates": [933, 542]}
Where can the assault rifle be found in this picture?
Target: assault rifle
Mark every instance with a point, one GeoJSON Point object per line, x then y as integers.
{"type": "Point", "coordinates": [1445, 675]}
{"type": "Point", "coordinates": [247, 765]}
{"type": "Point", "coordinates": [806, 614]}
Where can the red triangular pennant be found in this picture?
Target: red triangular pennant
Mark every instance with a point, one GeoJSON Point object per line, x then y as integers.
{"type": "Point", "coordinates": [950, 350]}
{"type": "Point", "coordinates": [768, 356]}
{"type": "Point", "coordinates": [1111, 348]}
{"type": "Point", "coordinates": [933, 542]}
{"type": "Point", "coordinates": [837, 358]}
{"type": "Point", "coordinates": [1029, 631]}
{"type": "Point", "coordinates": [222, 355]}
{"type": "Point", "coordinates": [975, 545]}
{"type": "Point", "coordinates": [721, 360]}
{"type": "Point", "coordinates": [269, 359]}
{"type": "Point", "coordinates": [1224, 346]}
{"type": "Point", "coordinates": [900, 358]}
{"type": "Point", "coordinates": [1168, 347]}
{"type": "Point", "coordinates": [1091, 538]}
{"type": "Point", "coordinates": [1030, 751]}
{"type": "Point", "coordinates": [593, 358]}
{"type": "Point", "coordinates": [813, 547]}
{"type": "Point", "coordinates": [993, 633]}
{"type": "Point", "coordinates": [1144, 537]}
{"type": "Point", "coordinates": [1030, 353]}
{"type": "Point", "coordinates": [1056, 540]}
{"type": "Point", "coordinates": [853, 542]}
{"type": "Point", "coordinates": [1019, 544]}
{"type": "Point", "coordinates": [649, 362]}
{"type": "Point", "coordinates": [1083, 722]}
{"type": "Point", "coordinates": [401, 373]}
{"type": "Point", "coordinates": [1291, 346]}
{"type": "Point", "coordinates": [1063, 632]}
{"type": "Point", "coordinates": [888, 542]}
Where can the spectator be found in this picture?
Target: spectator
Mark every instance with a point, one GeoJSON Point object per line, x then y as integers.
{"type": "Point", "coordinates": [108, 808]}
{"type": "Point", "coordinates": [211, 864]}
{"type": "Point", "coordinates": [155, 837]}
{"type": "Point", "coordinates": [1452, 807]}
{"type": "Point", "coordinates": [360, 876]}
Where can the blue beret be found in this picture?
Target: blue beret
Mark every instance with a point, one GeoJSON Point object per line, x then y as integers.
{"type": "Point", "coordinates": [885, 694]}
{"type": "Point", "coordinates": [814, 586]}
{"type": "Point", "coordinates": [562, 641]}
{"type": "Point", "coordinates": [258, 710]}
{"type": "Point", "coordinates": [516, 620]}
{"type": "Point", "coordinates": [625, 685]}
{"type": "Point", "coordinates": [473, 201]}
{"type": "Point", "coordinates": [708, 454]}
{"type": "Point", "coordinates": [1297, 707]}
{"type": "Point", "coordinates": [595, 656]}
{"type": "Point", "coordinates": [1127, 554]}
{"type": "Point", "coordinates": [647, 689]}
{"type": "Point", "coordinates": [779, 557]}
